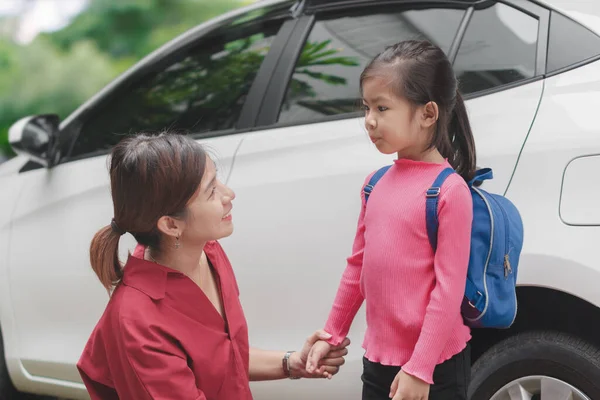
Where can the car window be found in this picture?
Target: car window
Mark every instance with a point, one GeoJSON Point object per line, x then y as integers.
{"type": "Point", "coordinates": [201, 90]}
{"type": "Point", "coordinates": [569, 43]}
{"type": "Point", "coordinates": [499, 47]}
{"type": "Point", "coordinates": [325, 81]}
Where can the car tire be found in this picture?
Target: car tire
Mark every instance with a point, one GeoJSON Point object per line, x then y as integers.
{"type": "Point", "coordinates": [550, 355]}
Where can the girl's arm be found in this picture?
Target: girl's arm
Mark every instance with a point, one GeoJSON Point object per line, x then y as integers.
{"type": "Point", "coordinates": [348, 298]}
{"type": "Point", "coordinates": [451, 262]}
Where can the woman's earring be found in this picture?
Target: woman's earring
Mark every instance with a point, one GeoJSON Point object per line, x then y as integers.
{"type": "Point", "coordinates": [177, 242]}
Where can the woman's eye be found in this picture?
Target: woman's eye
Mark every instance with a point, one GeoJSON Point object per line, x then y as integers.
{"type": "Point", "coordinates": [365, 107]}
{"type": "Point", "coordinates": [382, 108]}
{"type": "Point", "coordinates": [212, 192]}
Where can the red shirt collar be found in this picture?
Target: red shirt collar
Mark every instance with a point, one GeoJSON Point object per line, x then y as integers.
{"type": "Point", "coordinates": [146, 276]}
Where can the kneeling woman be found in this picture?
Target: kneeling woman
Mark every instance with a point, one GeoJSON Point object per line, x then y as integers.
{"type": "Point", "coordinates": [174, 326]}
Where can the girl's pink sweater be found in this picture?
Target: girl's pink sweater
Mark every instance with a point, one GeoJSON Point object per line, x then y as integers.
{"type": "Point", "coordinates": [413, 296]}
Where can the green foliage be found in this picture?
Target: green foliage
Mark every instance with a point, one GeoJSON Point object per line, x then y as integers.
{"type": "Point", "coordinates": [316, 54]}
{"type": "Point", "coordinates": [133, 28]}
{"type": "Point", "coordinates": [60, 70]}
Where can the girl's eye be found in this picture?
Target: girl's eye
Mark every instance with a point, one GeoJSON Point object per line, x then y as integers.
{"type": "Point", "coordinates": [212, 192]}
{"type": "Point", "coordinates": [382, 108]}
{"type": "Point", "coordinates": [365, 107]}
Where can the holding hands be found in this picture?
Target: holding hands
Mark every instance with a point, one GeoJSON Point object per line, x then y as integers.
{"type": "Point", "coordinates": [325, 359]}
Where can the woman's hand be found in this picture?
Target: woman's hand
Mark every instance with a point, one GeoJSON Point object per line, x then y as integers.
{"type": "Point", "coordinates": [327, 365]}
{"type": "Point", "coordinates": [408, 387]}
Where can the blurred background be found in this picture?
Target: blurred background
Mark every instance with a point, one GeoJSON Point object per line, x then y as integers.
{"type": "Point", "coordinates": [55, 54]}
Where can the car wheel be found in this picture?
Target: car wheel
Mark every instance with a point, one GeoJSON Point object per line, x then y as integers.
{"type": "Point", "coordinates": [537, 366]}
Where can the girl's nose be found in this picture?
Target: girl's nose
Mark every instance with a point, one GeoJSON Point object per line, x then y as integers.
{"type": "Point", "coordinates": [370, 122]}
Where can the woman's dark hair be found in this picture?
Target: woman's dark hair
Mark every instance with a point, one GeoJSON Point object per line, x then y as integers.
{"type": "Point", "coordinates": [150, 176]}
{"type": "Point", "coordinates": [420, 72]}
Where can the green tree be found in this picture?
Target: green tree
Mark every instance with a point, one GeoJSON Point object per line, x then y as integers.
{"type": "Point", "coordinates": [133, 28]}
{"type": "Point", "coordinates": [60, 70]}
{"type": "Point", "coordinates": [40, 79]}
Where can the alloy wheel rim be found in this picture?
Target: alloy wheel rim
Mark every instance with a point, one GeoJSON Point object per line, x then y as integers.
{"type": "Point", "coordinates": [539, 388]}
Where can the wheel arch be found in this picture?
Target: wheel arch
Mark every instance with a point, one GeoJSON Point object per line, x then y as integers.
{"type": "Point", "coordinates": [542, 308]}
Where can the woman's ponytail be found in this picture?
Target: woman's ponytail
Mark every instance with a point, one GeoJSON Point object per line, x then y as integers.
{"type": "Point", "coordinates": [104, 257]}
{"type": "Point", "coordinates": [461, 136]}
{"type": "Point", "coordinates": [165, 168]}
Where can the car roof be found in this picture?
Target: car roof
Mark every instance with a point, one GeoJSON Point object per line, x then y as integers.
{"type": "Point", "coordinates": [586, 12]}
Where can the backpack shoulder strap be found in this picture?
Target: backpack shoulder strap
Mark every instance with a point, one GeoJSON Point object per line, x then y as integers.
{"type": "Point", "coordinates": [431, 206]}
{"type": "Point", "coordinates": [480, 176]}
{"type": "Point", "coordinates": [373, 181]}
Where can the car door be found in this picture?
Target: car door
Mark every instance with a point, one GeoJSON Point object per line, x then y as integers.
{"type": "Point", "coordinates": [298, 178]}
{"type": "Point", "coordinates": [201, 89]}
{"type": "Point", "coordinates": [500, 66]}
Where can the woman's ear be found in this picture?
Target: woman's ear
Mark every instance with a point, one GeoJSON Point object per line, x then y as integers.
{"type": "Point", "coordinates": [429, 114]}
{"type": "Point", "coordinates": [170, 226]}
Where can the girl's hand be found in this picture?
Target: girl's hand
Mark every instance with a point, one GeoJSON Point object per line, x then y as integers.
{"type": "Point", "coordinates": [327, 365]}
{"type": "Point", "coordinates": [323, 354]}
{"type": "Point", "coordinates": [317, 352]}
{"type": "Point", "coordinates": [408, 387]}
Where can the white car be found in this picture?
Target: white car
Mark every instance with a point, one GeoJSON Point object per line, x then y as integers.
{"type": "Point", "coordinates": [272, 90]}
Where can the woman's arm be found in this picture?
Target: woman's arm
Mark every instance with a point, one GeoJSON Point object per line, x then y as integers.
{"type": "Point", "coordinates": [266, 365]}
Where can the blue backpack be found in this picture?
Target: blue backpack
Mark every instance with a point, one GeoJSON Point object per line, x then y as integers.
{"type": "Point", "coordinates": [490, 299]}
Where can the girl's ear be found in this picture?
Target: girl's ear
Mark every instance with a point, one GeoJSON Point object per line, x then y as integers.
{"type": "Point", "coordinates": [429, 114]}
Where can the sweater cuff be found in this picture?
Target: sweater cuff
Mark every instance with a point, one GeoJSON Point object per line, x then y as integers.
{"type": "Point", "coordinates": [336, 337]}
{"type": "Point", "coordinates": [423, 372]}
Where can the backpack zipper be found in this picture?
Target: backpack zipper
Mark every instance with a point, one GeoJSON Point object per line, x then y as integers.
{"type": "Point", "coordinates": [489, 255]}
{"type": "Point", "coordinates": [507, 266]}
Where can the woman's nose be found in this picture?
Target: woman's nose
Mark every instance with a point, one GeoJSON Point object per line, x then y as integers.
{"type": "Point", "coordinates": [229, 194]}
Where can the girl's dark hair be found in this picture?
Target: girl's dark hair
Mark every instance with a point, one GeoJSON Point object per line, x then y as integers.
{"type": "Point", "coordinates": [150, 176]}
{"type": "Point", "coordinates": [421, 73]}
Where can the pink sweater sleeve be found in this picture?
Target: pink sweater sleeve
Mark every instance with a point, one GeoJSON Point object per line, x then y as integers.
{"type": "Point", "coordinates": [455, 215]}
{"type": "Point", "coordinates": [348, 298]}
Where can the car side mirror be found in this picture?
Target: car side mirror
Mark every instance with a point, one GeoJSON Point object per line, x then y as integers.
{"type": "Point", "coordinates": [35, 137]}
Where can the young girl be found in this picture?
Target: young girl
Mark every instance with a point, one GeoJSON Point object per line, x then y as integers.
{"type": "Point", "coordinates": [416, 342]}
